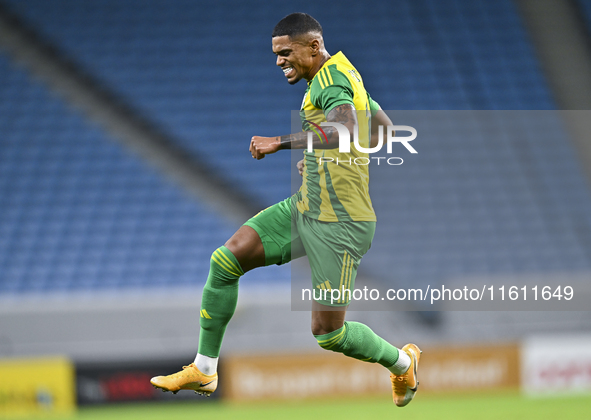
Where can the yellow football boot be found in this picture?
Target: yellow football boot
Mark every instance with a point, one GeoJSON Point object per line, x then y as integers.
{"type": "Point", "coordinates": [188, 378]}
{"type": "Point", "coordinates": [404, 387]}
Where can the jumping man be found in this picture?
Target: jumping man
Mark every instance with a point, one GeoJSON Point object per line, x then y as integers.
{"type": "Point", "coordinates": [330, 219]}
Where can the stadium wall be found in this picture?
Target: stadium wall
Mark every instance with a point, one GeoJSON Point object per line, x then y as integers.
{"type": "Point", "coordinates": [58, 386]}
{"type": "Point", "coordinates": [160, 326]}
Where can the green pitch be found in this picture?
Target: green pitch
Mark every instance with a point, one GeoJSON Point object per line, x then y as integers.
{"type": "Point", "coordinates": [495, 407]}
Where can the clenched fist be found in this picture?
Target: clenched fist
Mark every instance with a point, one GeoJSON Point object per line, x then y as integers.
{"type": "Point", "coordinates": [300, 166]}
{"type": "Point", "coordinates": [261, 146]}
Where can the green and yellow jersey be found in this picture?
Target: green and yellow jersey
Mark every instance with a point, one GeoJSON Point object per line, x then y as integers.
{"type": "Point", "coordinates": [334, 192]}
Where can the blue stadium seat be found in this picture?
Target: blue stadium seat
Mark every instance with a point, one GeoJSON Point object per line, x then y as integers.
{"type": "Point", "coordinates": [78, 212]}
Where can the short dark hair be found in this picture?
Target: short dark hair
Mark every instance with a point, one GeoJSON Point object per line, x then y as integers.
{"type": "Point", "coordinates": [296, 24]}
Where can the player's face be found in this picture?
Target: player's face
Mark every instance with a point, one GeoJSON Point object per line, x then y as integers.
{"type": "Point", "coordinates": [295, 58]}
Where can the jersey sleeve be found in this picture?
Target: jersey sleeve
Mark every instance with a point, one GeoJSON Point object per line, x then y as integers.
{"type": "Point", "coordinates": [374, 107]}
{"type": "Point", "coordinates": [330, 89]}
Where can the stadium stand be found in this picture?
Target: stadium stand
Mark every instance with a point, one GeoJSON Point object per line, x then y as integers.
{"type": "Point", "coordinates": [78, 212]}
{"type": "Point", "coordinates": [191, 68]}
{"type": "Point", "coordinates": [205, 74]}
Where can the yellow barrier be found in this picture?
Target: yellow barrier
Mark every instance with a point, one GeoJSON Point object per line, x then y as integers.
{"type": "Point", "coordinates": [300, 376]}
{"type": "Point", "coordinates": [470, 368]}
{"type": "Point", "coordinates": [37, 386]}
{"type": "Point", "coordinates": [323, 375]}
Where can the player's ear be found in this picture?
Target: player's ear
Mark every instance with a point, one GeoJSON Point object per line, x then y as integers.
{"type": "Point", "coordinates": [314, 46]}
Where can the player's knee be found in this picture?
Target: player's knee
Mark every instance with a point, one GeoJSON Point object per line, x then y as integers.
{"type": "Point", "coordinates": [236, 244]}
{"type": "Point", "coordinates": [321, 327]}
{"type": "Point", "coordinates": [318, 329]}
{"type": "Point", "coordinates": [325, 320]}
{"type": "Point", "coordinates": [247, 247]}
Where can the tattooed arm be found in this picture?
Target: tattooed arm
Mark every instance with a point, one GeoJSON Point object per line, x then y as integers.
{"type": "Point", "coordinates": [344, 114]}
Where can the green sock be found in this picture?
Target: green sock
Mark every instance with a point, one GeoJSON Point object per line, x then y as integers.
{"type": "Point", "coordinates": [219, 299]}
{"type": "Point", "coordinates": [357, 340]}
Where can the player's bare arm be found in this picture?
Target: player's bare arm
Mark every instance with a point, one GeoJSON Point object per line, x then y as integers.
{"type": "Point", "coordinates": [379, 119]}
{"type": "Point", "coordinates": [344, 114]}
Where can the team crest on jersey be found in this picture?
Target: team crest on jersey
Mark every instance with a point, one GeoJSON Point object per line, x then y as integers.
{"type": "Point", "coordinates": [355, 75]}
